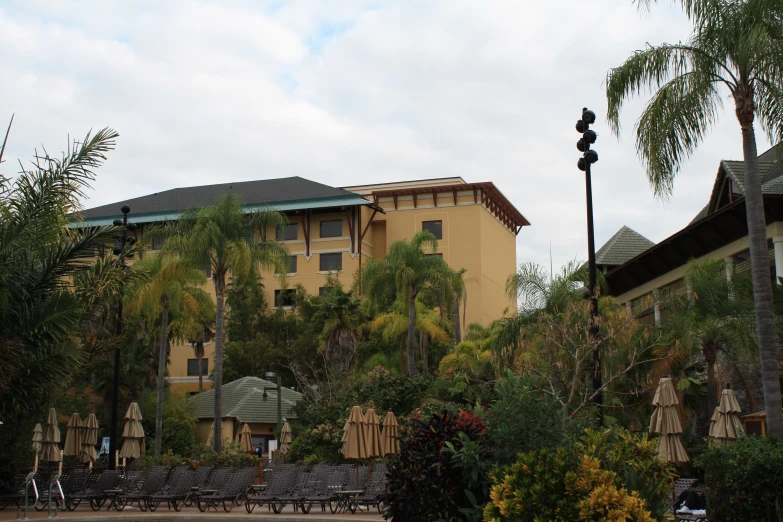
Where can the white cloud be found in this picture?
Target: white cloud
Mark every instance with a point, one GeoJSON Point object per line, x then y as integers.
{"type": "Point", "coordinates": [353, 91]}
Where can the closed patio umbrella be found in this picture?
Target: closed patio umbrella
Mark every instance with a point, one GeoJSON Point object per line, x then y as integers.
{"type": "Point", "coordinates": [73, 436]}
{"type": "Point", "coordinates": [132, 434]}
{"type": "Point", "coordinates": [285, 439]}
{"type": "Point", "coordinates": [89, 440]}
{"type": "Point", "coordinates": [37, 438]}
{"type": "Point", "coordinates": [246, 439]}
{"type": "Point", "coordinates": [50, 446]}
{"type": "Point", "coordinates": [372, 434]}
{"type": "Point", "coordinates": [666, 423]}
{"type": "Point", "coordinates": [354, 447]}
{"type": "Point", "coordinates": [211, 436]}
{"type": "Point", "coordinates": [725, 423]}
{"type": "Point", "coordinates": [390, 440]}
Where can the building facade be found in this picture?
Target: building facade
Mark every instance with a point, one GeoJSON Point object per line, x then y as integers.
{"type": "Point", "coordinates": [332, 232]}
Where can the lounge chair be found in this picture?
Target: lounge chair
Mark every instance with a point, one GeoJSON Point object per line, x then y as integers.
{"type": "Point", "coordinates": [174, 492]}
{"type": "Point", "coordinates": [278, 483]}
{"type": "Point", "coordinates": [154, 482]}
{"type": "Point", "coordinates": [233, 492]}
{"type": "Point", "coordinates": [374, 490]}
{"type": "Point", "coordinates": [97, 494]}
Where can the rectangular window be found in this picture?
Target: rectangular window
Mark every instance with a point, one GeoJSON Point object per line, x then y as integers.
{"type": "Point", "coordinates": [332, 228]}
{"type": "Point", "coordinates": [291, 264]}
{"type": "Point", "coordinates": [287, 232]}
{"type": "Point", "coordinates": [208, 270]}
{"type": "Point", "coordinates": [193, 366]}
{"type": "Point", "coordinates": [157, 243]}
{"type": "Point", "coordinates": [285, 297]}
{"type": "Point", "coordinates": [331, 262]}
{"type": "Point", "coordinates": [325, 290]}
{"type": "Point", "coordinates": [436, 255]}
{"type": "Point", "coordinates": [436, 227]}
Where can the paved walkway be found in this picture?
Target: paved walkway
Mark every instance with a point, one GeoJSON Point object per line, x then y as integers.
{"type": "Point", "coordinates": [193, 514]}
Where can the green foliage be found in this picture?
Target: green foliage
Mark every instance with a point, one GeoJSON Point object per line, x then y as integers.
{"type": "Point", "coordinates": [430, 480]}
{"type": "Point", "coordinates": [179, 424]}
{"type": "Point", "coordinates": [522, 420]}
{"type": "Point", "coordinates": [744, 480]}
{"type": "Point", "coordinates": [533, 489]}
{"type": "Point", "coordinates": [467, 358]}
{"type": "Point", "coordinates": [231, 455]}
{"type": "Point", "coordinates": [247, 306]}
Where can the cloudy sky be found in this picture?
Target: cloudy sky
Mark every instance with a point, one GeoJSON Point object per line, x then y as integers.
{"type": "Point", "coordinates": [348, 92]}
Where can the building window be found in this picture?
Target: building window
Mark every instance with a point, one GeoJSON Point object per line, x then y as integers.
{"type": "Point", "coordinates": [208, 270]}
{"type": "Point", "coordinates": [331, 262]}
{"type": "Point", "coordinates": [287, 232]}
{"type": "Point", "coordinates": [436, 227]}
{"type": "Point", "coordinates": [193, 366]}
{"type": "Point", "coordinates": [435, 255]}
{"type": "Point", "coordinates": [291, 265]}
{"type": "Point", "coordinates": [325, 290]}
{"type": "Point", "coordinates": [332, 228]}
{"type": "Point", "coordinates": [285, 297]}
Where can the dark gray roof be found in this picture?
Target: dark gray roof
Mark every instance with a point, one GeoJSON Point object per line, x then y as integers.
{"type": "Point", "coordinates": [623, 246]}
{"type": "Point", "coordinates": [768, 170]}
{"type": "Point", "coordinates": [702, 213]}
{"type": "Point", "coordinates": [252, 192]}
{"type": "Point", "coordinates": [243, 400]}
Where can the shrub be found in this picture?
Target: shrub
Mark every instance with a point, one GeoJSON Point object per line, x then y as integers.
{"type": "Point", "coordinates": [427, 480]}
{"type": "Point", "coordinates": [633, 457]}
{"type": "Point", "coordinates": [179, 423]}
{"type": "Point", "coordinates": [522, 420]}
{"type": "Point", "coordinates": [744, 479]}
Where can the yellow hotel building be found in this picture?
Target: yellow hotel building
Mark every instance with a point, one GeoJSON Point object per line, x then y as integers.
{"type": "Point", "coordinates": [333, 231]}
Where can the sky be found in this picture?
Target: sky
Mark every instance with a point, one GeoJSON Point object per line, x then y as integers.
{"type": "Point", "coordinates": [353, 92]}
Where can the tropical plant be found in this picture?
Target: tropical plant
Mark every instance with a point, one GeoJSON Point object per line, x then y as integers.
{"type": "Point", "coordinates": [340, 314]}
{"type": "Point", "coordinates": [736, 47]}
{"type": "Point", "coordinates": [744, 480]}
{"type": "Point", "coordinates": [50, 285]}
{"type": "Point", "coordinates": [466, 359]}
{"type": "Point", "coordinates": [226, 238]}
{"type": "Point", "coordinates": [178, 434]}
{"type": "Point", "coordinates": [408, 269]}
{"type": "Point", "coordinates": [175, 286]}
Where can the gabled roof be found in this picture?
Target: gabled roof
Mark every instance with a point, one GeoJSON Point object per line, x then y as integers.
{"type": "Point", "coordinates": [770, 171]}
{"type": "Point", "coordinates": [243, 400]}
{"type": "Point", "coordinates": [282, 193]}
{"type": "Point", "coordinates": [623, 246]}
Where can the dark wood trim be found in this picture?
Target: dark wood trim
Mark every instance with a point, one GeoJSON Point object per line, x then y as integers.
{"type": "Point", "coordinates": [351, 217]}
{"type": "Point", "coordinates": [434, 198]}
{"type": "Point", "coordinates": [454, 192]}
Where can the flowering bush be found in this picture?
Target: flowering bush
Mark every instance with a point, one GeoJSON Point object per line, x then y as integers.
{"type": "Point", "coordinates": [438, 473]}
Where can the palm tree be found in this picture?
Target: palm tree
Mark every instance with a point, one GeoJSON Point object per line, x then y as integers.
{"type": "Point", "coordinates": [227, 239]}
{"type": "Point", "coordinates": [393, 325]}
{"type": "Point", "coordinates": [198, 353]}
{"type": "Point", "coordinates": [340, 313]}
{"type": "Point", "coordinates": [176, 286]}
{"type": "Point", "coordinates": [736, 47]}
{"type": "Point", "coordinates": [408, 270]}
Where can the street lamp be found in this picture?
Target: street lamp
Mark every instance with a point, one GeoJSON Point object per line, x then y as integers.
{"type": "Point", "coordinates": [119, 247]}
{"type": "Point", "coordinates": [272, 375]}
{"type": "Point", "coordinates": [589, 157]}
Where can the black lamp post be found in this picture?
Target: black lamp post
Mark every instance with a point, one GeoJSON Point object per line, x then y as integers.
{"type": "Point", "coordinates": [589, 157]}
{"type": "Point", "coordinates": [119, 247]}
{"type": "Point", "coordinates": [271, 375]}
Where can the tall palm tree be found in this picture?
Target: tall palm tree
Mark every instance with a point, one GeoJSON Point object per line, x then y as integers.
{"type": "Point", "coordinates": [342, 318]}
{"type": "Point", "coordinates": [736, 47]}
{"type": "Point", "coordinates": [227, 239]}
{"type": "Point", "coordinates": [174, 286]}
{"type": "Point", "coordinates": [393, 325]}
{"type": "Point", "coordinates": [408, 270]}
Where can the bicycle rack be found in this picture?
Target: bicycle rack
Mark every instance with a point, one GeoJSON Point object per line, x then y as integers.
{"type": "Point", "coordinates": [28, 481]}
{"type": "Point", "coordinates": [55, 481]}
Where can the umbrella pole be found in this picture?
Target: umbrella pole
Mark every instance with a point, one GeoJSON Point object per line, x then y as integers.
{"type": "Point", "coordinates": [357, 474]}
{"type": "Point", "coordinates": [60, 468]}
{"type": "Point", "coordinates": [35, 464]}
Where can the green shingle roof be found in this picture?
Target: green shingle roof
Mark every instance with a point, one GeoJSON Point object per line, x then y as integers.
{"type": "Point", "coordinates": [621, 247]}
{"type": "Point", "coordinates": [769, 171]}
{"type": "Point", "coordinates": [243, 400]}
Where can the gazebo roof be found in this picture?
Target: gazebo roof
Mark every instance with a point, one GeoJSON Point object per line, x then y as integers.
{"type": "Point", "coordinates": [243, 400]}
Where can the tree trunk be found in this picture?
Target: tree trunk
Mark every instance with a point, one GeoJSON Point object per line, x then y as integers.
{"type": "Point", "coordinates": [411, 330]}
{"type": "Point", "coordinates": [164, 329]}
{"type": "Point", "coordinates": [710, 356]}
{"type": "Point", "coordinates": [759, 262]}
{"type": "Point", "coordinates": [749, 390]}
{"type": "Point", "coordinates": [200, 377]}
{"type": "Point", "coordinates": [457, 329]}
{"type": "Point", "coordinates": [425, 341]}
{"type": "Point", "coordinates": [220, 286]}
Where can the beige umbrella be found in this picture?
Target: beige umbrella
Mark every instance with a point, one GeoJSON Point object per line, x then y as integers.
{"type": "Point", "coordinates": [285, 439]}
{"type": "Point", "coordinates": [666, 423]}
{"type": "Point", "coordinates": [89, 440]}
{"type": "Point", "coordinates": [50, 446]}
{"type": "Point", "coordinates": [345, 437]}
{"type": "Point", "coordinates": [390, 439]}
{"type": "Point", "coordinates": [354, 446]}
{"type": "Point", "coordinates": [37, 438]}
{"type": "Point", "coordinates": [246, 439]}
{"type": "Point", "coordinates": [372, 434]}
{"type": "Point", "coordinates": [132, 434]}
{"type": "Point", "coordinates": [725, 424]}
{"type": "Point", "coordinates": [73, 437]}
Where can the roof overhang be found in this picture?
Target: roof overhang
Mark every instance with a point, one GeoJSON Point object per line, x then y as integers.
{"type": "Point", "coordinates": [724, 226]}
{"type": "Point", "coordinates": [487, 192]}
{"type": "Point", "coordinates": [282, 206]}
